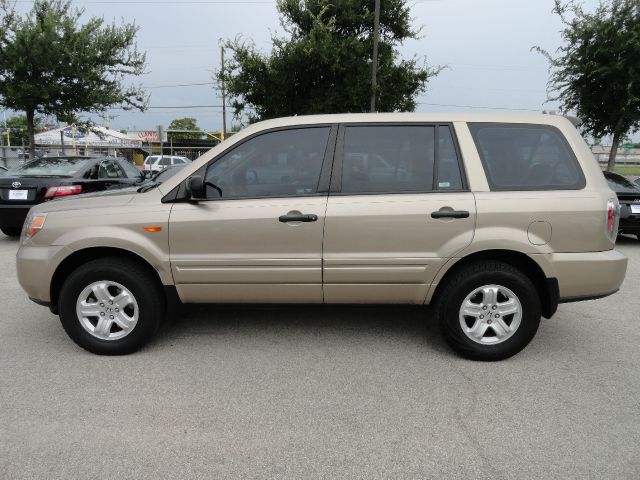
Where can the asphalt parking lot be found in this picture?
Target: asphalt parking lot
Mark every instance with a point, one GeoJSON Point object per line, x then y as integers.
{"type": "Point", "coordinates": [321, 393]}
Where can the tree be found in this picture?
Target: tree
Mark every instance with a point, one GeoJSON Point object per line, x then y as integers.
{"type": "Point", "coordinates": [185, 124]}
{"type": "Point", "coordinates": [52, 64]}
{"type": "Point", "coordinates": [17, 126]}
{"type": "Point", "coordinates": [325, 64]}
{"type": "Point", "coordinates": [597, 72]}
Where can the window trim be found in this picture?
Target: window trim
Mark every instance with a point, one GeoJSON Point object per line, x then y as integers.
{"type": "Point", "coordinates": [336, 174]}
{"type": "Point", "coordinates": [324, 178]}
{"type": "Point", "coordinates": [580, 185]}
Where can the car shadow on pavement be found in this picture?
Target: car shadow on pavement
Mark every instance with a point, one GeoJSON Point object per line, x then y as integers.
{"type": "Point", "coordinates": [413, 324]}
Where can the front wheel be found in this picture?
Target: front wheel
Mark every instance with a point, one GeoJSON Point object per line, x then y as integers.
{"type": "Point", "coordinates": [111, 306]}
{"type": "Point", "coordinates": [488, 311]}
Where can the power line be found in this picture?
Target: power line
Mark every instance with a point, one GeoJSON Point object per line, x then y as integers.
{"type": "Point", "coordinates": [478, 106]}
{"type": "Point", "coordinates": [180, 85]}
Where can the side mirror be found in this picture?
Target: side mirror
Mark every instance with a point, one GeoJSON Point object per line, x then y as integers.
{"type": "Point", "coordinates": [196, 188]}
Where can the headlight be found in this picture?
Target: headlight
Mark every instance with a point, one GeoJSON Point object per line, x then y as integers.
{"type": "Point", "coordinates": [34, 224]}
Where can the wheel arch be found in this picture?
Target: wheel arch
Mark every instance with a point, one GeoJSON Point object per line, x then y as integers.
{"type": "Point", "coordinates": [79, 257]}
{"type": "Point", "coordinates": [548, 289]}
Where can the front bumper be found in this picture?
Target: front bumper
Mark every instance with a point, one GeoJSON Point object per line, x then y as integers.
{"type": "Point", "coordinates": [35, 266]}
{"type": "Point", "coordinates": [13, 215]}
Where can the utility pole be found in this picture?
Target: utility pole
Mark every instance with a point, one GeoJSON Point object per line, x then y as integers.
{"type": "Point", "coordinates": [224, 97]}
{"type": "Point", "coordinates": [374, 62]}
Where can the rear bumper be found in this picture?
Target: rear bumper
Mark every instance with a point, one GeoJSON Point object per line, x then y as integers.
{"type": "Point", "coordinates": [590, 275]}
{"type": "Point", "coordinates": [13, 215]}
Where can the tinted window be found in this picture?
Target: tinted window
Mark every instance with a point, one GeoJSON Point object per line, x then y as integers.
{"type": "Point", "coordinates": [526, 157]}
{"type": "Point", "coordinates": [129, 170]}
{"type": "Point", "coordinates": [63, 166]}
{"type": "Point", "coordinates": [449, 176]}
{"type": "Point", "coordinates": [388, 159]}
{"type": "Point", "coordinates": [165, 161]}
{"type": "Point", "coordinates": [275, 164]}
{"type": "Point", "coordinates": [109, 169]}
{"type": "Point", "coordinates": [150, 160]}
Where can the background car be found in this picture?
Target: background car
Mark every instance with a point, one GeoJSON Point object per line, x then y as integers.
{"type": "Point", "coordinates": [157, 163]}
{"type": "Point", "coordinates": [629, 197]}
{"type": "Point", "coordinates": [53, 177]}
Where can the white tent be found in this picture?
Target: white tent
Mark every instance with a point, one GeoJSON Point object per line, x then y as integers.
{"type": "Point", "coordinates": [99, 137]}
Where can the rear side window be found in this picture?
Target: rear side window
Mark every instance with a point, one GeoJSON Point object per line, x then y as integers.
{"type": "Point", "coordinates": [399, 159]}
{"type": "Point", "coordinates": [526, 157]}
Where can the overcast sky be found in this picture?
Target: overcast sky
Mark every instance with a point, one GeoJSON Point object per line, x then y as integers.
{"type": "Point", "coordinates": [486, 46]}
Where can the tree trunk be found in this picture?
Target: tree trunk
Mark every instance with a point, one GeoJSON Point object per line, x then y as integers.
{"type": "Point", "coordinates": [613, 152]}
{"type": "Point", "coordinates": [31, 134]}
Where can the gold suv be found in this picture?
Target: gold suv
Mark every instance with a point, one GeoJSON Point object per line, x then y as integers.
{"type": "Point", "coordinates": [493, 219]}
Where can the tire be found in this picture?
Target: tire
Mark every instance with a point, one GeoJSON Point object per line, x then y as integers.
{"type": "Point", "coordinates": [11, 231]}
{"type": "Point", "coordinates": [136, 313]}
{"type": "Point", "coordinates": [509, 322]}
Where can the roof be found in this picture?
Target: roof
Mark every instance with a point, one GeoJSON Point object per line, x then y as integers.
{"type": "Point", "coordinates": [534, 118]}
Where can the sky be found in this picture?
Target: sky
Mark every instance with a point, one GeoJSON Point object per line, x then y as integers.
{"type": "Point", "coordinates": [485, 46]}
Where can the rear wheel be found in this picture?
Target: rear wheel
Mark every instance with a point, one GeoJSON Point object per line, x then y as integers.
{"type": "Point", "coordinates": [111, 306]}
{"type": "Point", "coordinates": [488, 311]}
{"type": "Point", "coordinates": [11, 231]}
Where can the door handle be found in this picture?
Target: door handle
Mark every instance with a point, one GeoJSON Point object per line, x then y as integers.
{"type": "Point", "coordinates": [450, 214]}
{"type": "Point", "coordinates": [298, 218]}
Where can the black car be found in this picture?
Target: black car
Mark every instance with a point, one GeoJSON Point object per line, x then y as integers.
{"type": "Point", "coordinates": [629, 197]}
{"type": "Point", "coordinates": [48, 178]}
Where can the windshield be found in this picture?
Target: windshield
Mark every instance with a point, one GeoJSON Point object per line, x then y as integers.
{"type": "Point", "coordinates": [167, 173]}
{"type": "Point", "coordinates": [54, 166]}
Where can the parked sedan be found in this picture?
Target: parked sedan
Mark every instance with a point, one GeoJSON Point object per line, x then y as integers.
{"type": "Point", "coordinates": [45, 179]}
{"type": "Point", "coordinates": [629, 197]}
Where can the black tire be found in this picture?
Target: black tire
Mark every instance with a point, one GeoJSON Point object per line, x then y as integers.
{"type": "Point", "coordinates": [11, 231]}
{"type": "Point", "coordinates": [142, 284]}
{"type": "Point", "coordinates": [463, 283]}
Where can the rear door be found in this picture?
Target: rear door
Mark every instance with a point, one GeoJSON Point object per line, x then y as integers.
{"type": "Point", "coordinates": [258, 236]}
{"type": "Point", "coordinates": [399, 207]}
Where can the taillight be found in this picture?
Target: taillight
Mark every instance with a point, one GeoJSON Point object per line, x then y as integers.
{"type": "Point", "coordinates": [613, 217]}
{"type": "Point", "coordinates": [63, 191]}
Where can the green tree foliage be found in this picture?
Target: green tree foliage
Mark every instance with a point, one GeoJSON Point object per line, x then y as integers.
{"type": "Point", "coordinates": [324, 66]}
{"type": "Point", "coordinates": [52, 64]}
{"type": "Point", "coordinates": [185, 124]}
{"type": "Point", "coordinates": [17, 126]}
{"type": "Point", "coordinates": [597, 71]}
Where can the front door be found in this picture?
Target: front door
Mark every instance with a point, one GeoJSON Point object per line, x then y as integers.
{"type": "Point", "coordinates": [398, 209]}
{"type": "Point", "coordinates": [258, 236]}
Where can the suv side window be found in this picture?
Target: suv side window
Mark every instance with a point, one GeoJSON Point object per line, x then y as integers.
{"type": "Point", "coordinates": [526, 157]}
{"type": "Point", "coordinates": [388, 159]}
{"type": "Point", "coordinates": [275, 164]}
{"type": "Point", "coordinates": [165, 161]}
{"type": "Point", "coordinates": [449, 176]}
